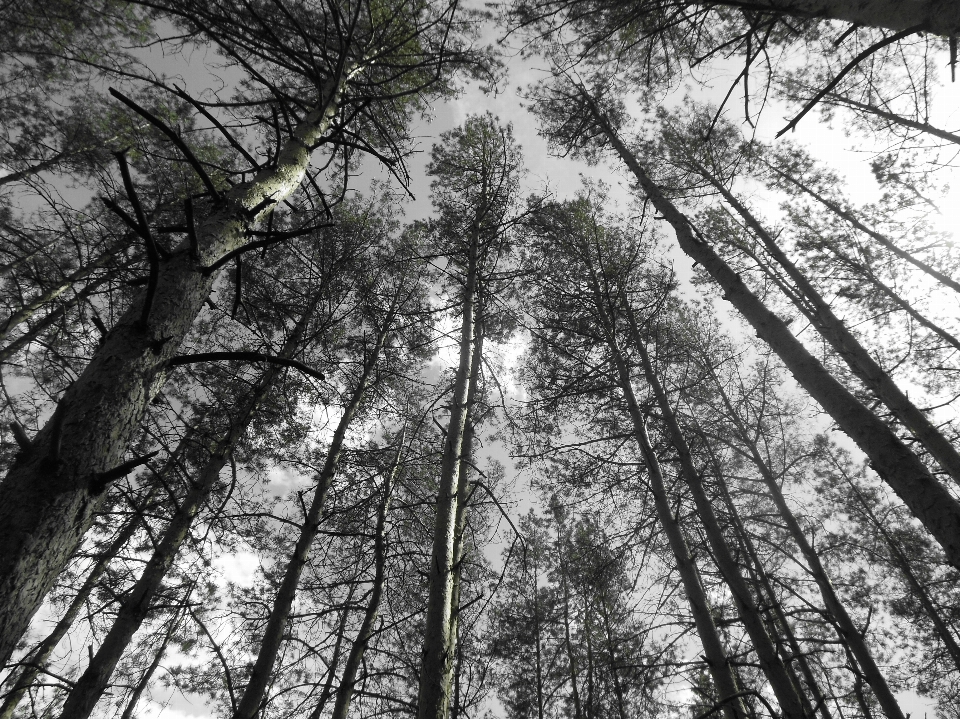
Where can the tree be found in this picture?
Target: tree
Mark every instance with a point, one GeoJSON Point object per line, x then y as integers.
{"type": "Point", "coordinates": [54, 484]}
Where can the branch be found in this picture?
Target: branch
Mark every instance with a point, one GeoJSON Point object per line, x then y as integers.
{"type": "Point", "coordinates": [174, 138]}
{"type": "Point", "coordinates": [849, 66]}
{"type": "Point", "coordinates": [247, 356]}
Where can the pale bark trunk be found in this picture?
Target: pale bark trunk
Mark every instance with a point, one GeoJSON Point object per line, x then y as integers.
{"type": "Point", "coordinates": [929, 501]}
{"type": "Point", "coordinates": [747, 609]}
{"type": "Point", "coordinates": [49, 319]}
{"type": "Point", "coordinates": [135, 608]}
{"type": "Point", "coordinates": [436, 668]}
{"type": "Point", "coordinates": [50, 496]}
{"type": "Point", "coordinates": [359, 646]}
{"type": "Point", "coordinates": [572, 667]}
{"type": "Point", "coordinates": [30, 309]}
{"type": "Point", "coordinates": [848, 347]}
{"type": "Point", "coordinates": [846, 629]}
{"type": "Point", "coordinates": [255, 692]}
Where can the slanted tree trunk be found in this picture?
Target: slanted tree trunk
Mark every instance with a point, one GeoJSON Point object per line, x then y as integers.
{"type": "Point", "coordinates": [848, 347]}
{"type": "Point", "coordinates": [50, 496]}
{"type": "Point", "coordinates": [848, 632]}
{"type": "Point", "coordinates": [900, 560]}
{"type": "Point", "coordinates": [255, 693]}
{"type": "Point", "coordinates": [770, 662]}
{"type": "Point", "coordinates": [349, 679]}
{"type": "Point", "coordinates": [128, 711]}
{"type": "Point", "coordinates": [436, 670]}
{"type": "Point", "coordinates": [929, 501]}
{"type": "Point", "coordinates": [714, 653]}
{"type": "Point", "coordinates": [135, 608]}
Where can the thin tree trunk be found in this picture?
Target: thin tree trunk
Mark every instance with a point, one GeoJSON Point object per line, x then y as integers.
{"type": "Point", "coordinates": [882, 239]}
{"type": "Point", "coordinates": [30, 309]}
{"type": "Point", "coordinates": [714, 653]}
{"type": "Point", "coordinates": [349, 679]}
{"type": "Point", "coordinates": [327, 691]}
{"type": "Point", "coordinates": [892, 117]}
{"type": "Point", "coordinates": [567, 640]}
{"type": "Point", "coordinates": [148, 674]}
{"type": "Point", "coordinates": [848, 347]}
{"type": "Point", "coordinates": [49, 319]}
{"type": "Point", "coordinates": [611, 652]}
{"type": "Point", "coordinates": [747, 609]}
{"type": "Point", "coordinates": [929, 501]}
{"type": "Point", "coordinates": [255, 692]}
{"type": "Point", "coordinates": [438, 656]}
{"type": "Point", "coordinates": [943, 631]}
{"type": "Point", "coordinates": [764, 582]}
{"type": "Point", "coordinates": [135, 608]}
{"type": "Point", "coordinates": [846, 629]}
{"type": "Point", "coordinates": [51, 494]}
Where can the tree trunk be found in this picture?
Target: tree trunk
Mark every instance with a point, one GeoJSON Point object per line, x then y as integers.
{"type": "Point", "coordinates": [882, 239]}
{"type": "Point", "coordinates": [929, 501]}
{"type": "Point", "coordinates": [50, 496]}
{"type": "Point", "coordinates": [714, 653]}
{"type": "Point", "coordinates": [437, 665]}
{"type": "Point", "coordinates": [846, 629]}
{"type": "Point", "coordinates": [128, 711]}
{"type": "Point", "coordinates": [848, 347]}
{"type": "Point", "coordinates": [902, 563]}
{"type": "Point", "coordinates": [133, 611]}
{"type": "Point", "coordinates": [255, 692]}
{"type": "Point", "coordinates": [940, 17]}
{"type": "Point", "coordinates": [747, 609]}
{"type": "Point", "coordinates": [349, 678]}
{"type": "Point", "coordinates": [567, 639]}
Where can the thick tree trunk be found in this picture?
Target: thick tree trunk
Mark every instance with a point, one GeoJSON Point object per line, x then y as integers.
{"type": "Point", "coordinates": [135, 608]}
{"type": "Point", "coordinates": [929, 501]}
{"type": "Point", "coordinates": [359, 646]}
{"type": "Point", "coordinates": [436, 668]}
{"type": "Point", "coordinates": [940, 17]}
{"type": "Point", "coordinates": [846, 629]}
{"type": "Point", "coordinates": [848, 347]}
{"type": "Point", "coordinates": [255, 692]}
{"type": "Point", "coordinates": [51, 494]}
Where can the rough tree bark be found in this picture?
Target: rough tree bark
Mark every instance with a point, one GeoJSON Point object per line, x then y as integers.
{"type": "Point", "coordinates": [51, 494]}
{"type": "Point", "coordinates": [136, 605]}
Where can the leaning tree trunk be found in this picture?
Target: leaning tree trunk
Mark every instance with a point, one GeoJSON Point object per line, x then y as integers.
{"type": "Point", "coordinates": [940, 17]}
{"type": "Point", "coordinates": [929, 501]}
{"type": "Point", "coordinates": [848, 347]}
{"type": "Point", "coordinates": [436, 670]}
{"type": "Point", "coordinates": [135, 608]}
{"type": "Point", "coordinates": [713, 650]}
{"type": "Point", "coordinates": [359, 647]}
{"type": "Point", "coordinates": [52, 493]}
{"type": "Point", "coordinates": [273, 635]}
{"type": "Point", "coordinates": [848, 632]}
{"type": "Point", "coordinates": [770, 662]}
